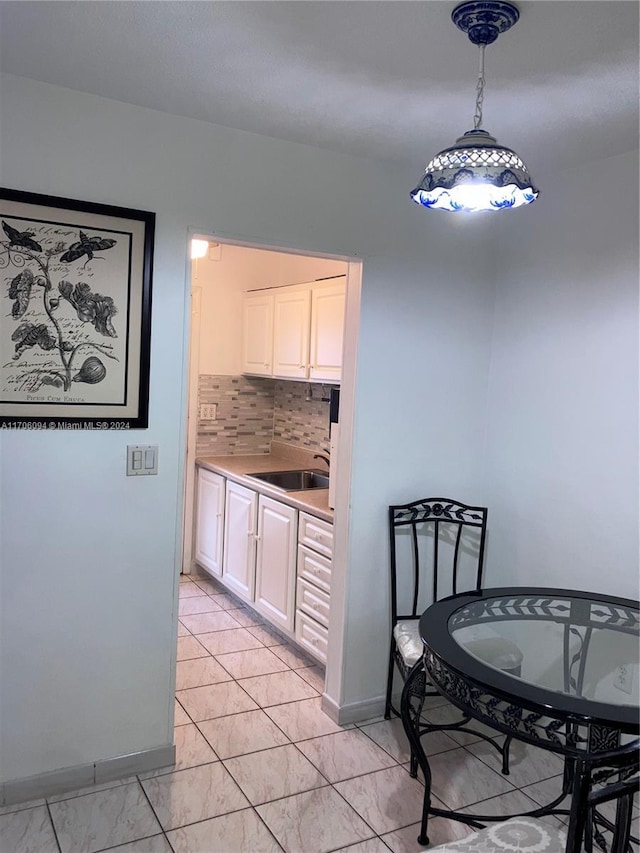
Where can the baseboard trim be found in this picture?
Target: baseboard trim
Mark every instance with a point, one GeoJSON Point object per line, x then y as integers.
{"type": "Point", "coordinates": [353, 712]}
{"type": "Point", "coordinates": [83, 775]}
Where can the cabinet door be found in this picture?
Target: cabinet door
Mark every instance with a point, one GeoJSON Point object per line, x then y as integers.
{"type": "Point", "coordinates": [327, 331]}
{"type": "Point", "coordinates": [240, 540]}
{"type": "Point", "coordinates": [257, 333]}
{"type": "Point", "coordinates": [291, 332]}
{"type": "Point", "coordinates": [209, 521]}
{"type": "Point", "coordinates": [276, 562]}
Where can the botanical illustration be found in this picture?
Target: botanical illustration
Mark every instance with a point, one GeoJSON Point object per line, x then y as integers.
{"type": "Point", "coordinates": [62, 310]}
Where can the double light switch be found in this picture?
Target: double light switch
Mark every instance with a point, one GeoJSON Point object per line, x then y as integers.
{"type": "Point", "coordinates": [142, 459]}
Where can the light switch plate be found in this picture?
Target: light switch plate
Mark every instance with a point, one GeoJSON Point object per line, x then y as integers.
{"type": "Point", "coordinates": [142, 460]}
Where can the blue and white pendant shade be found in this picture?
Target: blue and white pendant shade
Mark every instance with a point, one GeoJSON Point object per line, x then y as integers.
{"type": "Point", "coordinates": [476, 173]}
{"type": "Point", "coordinates": [473, 175]}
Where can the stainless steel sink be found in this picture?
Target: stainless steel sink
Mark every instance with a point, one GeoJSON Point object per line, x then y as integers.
{"type": "Point", "coordinates": [294, 481]}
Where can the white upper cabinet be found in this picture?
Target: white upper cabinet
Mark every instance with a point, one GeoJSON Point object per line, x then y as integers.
{"type": "Point", "coordinates": [257, 333]}
{"type": "Point", "coordinates": [295, 332]}
{"type": "Point", "coordinates": [291, 310]}
{"type": "Point", "coordinates": [327, 331]}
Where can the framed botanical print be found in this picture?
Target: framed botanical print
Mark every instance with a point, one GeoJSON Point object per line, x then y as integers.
{"type": "Point", "coordinates": [75, 318]}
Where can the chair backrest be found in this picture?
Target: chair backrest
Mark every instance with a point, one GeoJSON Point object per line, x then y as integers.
{"type": "Point", "coordinates": [602, 800]}
{"type": "Point", "coordinates": [436, 549]}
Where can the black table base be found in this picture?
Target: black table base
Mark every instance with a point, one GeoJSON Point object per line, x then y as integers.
{"type": "Point", "coordinates": [563, 721]}
{"type": "Point", "coordinates": [417, 726]}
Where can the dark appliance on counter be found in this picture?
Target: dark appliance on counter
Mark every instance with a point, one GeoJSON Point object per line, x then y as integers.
{"type": "Point", "coordinates": [334, 429]}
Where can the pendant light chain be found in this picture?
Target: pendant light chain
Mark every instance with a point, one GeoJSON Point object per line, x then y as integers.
{"type": "Point", "coordinates": [477, 119]}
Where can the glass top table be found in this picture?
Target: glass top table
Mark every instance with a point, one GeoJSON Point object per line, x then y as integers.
{"type": "Point", "coordinates": [572, 686]}
{"type": "Point", "coordinates": [579, 664]}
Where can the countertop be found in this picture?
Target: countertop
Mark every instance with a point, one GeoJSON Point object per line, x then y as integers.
{"type": "Point", "coordinates": [314, 501]}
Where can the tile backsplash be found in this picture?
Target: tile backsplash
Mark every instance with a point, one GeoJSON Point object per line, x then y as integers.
{"type": "Point", "coordinates": [251, 412]}
{"type": "Point", "coordinates": [301, 414]}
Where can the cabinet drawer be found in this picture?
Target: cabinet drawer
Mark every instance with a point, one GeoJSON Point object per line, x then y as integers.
{"type": "Point", "coordinates": [312, 601]}
{"type": "Point", "coordinates": [316, 534]}
{"type": "Point", "coordinates": [312, 636]}
{"type": "Point", "coordinates": [314, 568]}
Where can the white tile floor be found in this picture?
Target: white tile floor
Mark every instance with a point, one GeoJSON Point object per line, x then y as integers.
{"type": "Point", "coordinates": [261, 768]}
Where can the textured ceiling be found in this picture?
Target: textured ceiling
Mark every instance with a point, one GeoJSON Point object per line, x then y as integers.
{"type": "Point", "coordinates": [382, 79]}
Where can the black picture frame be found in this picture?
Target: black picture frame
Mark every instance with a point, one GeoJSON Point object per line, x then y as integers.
{"type": "Point", "coordinates": [75, 313]}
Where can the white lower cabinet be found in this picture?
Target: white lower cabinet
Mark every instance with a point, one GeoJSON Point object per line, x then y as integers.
{"type": "Point", "coordinates": [276, 562]}
{"type": "Point", "coordinates": [209, 521]}
{"type": "Point", "coordinates": [270, 555]}
{"type": "Point", "coordinates": [239, 558]}
{"type": "Point", "coordinates": [313, 601]}
{"type": "Point", "coordinates": [316, 534]}
{"type": "Point", "coordinates": [259, 561]}
{"type": "Point", "coordinates": [311, 636]}
{"type": "Point", "coordinates": [313, 584]}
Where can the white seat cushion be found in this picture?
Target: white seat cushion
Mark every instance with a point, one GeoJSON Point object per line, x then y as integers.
{"type": "Point", "coordinates": [520, 835]}
{"type": "Point", "coordinates": [407, 637]}
{"type": "Point", "coordinates": [494, 650]}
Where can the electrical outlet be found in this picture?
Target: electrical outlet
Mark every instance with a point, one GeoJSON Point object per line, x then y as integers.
{"type": "Point", "coordinates": [623, 678]}
{"type": "Point", "coordinates": [209, 412]}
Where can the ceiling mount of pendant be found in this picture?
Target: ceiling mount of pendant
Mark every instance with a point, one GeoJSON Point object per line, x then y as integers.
{"type": "Point", "coordinates": [483, 22]}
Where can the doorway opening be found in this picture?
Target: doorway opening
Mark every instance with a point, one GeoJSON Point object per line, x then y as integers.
{"type": "Point", "coordinates": [233, 411]}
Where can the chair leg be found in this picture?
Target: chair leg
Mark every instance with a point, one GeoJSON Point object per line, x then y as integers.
{"type": "Point", "coordinates": [413, 765]}
{"type": "Point", "coordinates": [387, 704]}
{"type": "Point", "coordinates": [411, 708]}
{"type": "Point", "coordinates": [423, 838]}
{"type": "Point", "coordinates": [505, 754]}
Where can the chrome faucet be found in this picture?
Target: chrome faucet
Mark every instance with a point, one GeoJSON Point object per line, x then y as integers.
{"type": "Point", "coordinates": [324, 457]}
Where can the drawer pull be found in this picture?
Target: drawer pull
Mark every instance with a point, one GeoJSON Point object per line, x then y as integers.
{"type": "Point", "coordinates": [315, 641]}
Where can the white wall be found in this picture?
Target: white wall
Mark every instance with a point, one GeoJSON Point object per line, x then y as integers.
{"type": "Point", "coordinates": [562, 452]}
{"type": "Point", "coordinates": [223, 283]}
{"type": "Point", "coordinates": [89, 557]}
{"type": "Point", "coordinates": [420, 408]}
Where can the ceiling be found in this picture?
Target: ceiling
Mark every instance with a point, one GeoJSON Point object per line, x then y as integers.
{"type": "Point", "coordinates": [388, 79]}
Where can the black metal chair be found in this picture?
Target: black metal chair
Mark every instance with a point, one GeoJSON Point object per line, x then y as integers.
{"type": "Point", "coordinates": [600, 815]}
{"type": "Point", "coordinates": [437, 549]}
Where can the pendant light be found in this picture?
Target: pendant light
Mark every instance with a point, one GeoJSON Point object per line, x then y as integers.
{"type": "Point", "coordinates": [477, 173]}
